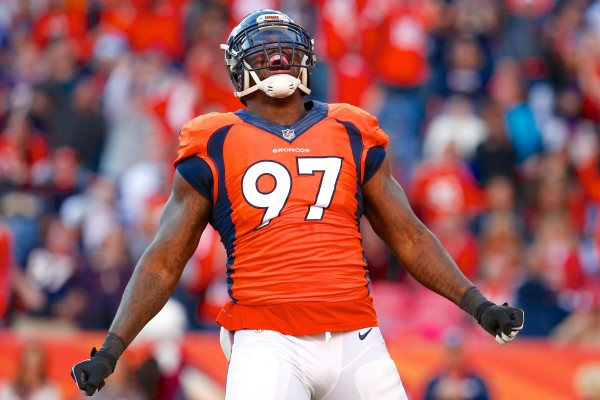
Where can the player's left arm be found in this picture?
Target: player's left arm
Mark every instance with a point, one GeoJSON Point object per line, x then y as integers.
{"type": "Point", "coordinates": [421, 253]}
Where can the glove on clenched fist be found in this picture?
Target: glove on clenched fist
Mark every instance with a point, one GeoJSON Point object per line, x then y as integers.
{"type": "Point", "coordinates": [89, 375]}
{"type": "Point", "coordinates": [504, 322]}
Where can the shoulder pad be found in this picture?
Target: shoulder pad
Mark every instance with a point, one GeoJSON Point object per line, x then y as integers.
{"type": "Point", "coordinates": [193, 137]}
{"type": "Point", "coordinates": [366, 123]}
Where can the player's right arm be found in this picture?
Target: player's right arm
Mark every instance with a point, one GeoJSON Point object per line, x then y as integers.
{"type": "Point", "coordinates": [184, 217]}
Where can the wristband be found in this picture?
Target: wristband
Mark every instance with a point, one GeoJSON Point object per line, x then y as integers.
{"type": "Point", "coordinates": [475, 303]}
{"type": "Point", "coordinates": [113, 345]}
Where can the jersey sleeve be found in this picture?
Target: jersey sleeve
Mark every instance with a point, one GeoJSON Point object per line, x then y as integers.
{"type": "Point", "coordinates": [374, 159]}
{"type": "Point", "coordinates": [194, 139]}
{"type": "Point", "coordinates": [198, 173]}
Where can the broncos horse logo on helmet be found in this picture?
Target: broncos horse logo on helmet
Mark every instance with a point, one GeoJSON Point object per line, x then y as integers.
{"type": "Point", "coordinates": [278, 40]}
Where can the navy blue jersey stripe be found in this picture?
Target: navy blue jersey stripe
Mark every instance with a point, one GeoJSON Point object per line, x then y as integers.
{"type": "Point", "coordinates": [221, 216]}
{"type": "Point", "coordinates": [198, 174]}
{"type": "Point", "coordinates": [356, 145]}
{"type": "Point", "coordinates": [375, 157]}
{"type": "Point", "coordinates": [317, 112]}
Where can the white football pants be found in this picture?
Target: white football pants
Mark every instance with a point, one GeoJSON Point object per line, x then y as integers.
{"type": "Point", "coordinates": [353, 365]}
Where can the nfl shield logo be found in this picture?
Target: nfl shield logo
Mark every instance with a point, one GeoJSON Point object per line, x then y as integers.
{"type": "Point", "coordinates": [288, 134]}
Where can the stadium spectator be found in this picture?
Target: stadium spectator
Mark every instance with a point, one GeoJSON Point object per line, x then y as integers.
{"type": "Point", "coordinates": [500, 199]}
{"type": "Point", "coordinates": [445, 186]}
{"type": "Point", "coordinates": [560, 39]}
{"type": "Point", "coordinates": [555, 248]}
{"type": "Point", "coordinates": [553, 192]}
{"type": "Point", "coordinates": [61, 22]}
{"type": "Point", "coordinates": [459, 126]}
{"type": "Point", "coordinates": [52, 97]}
{"type": "Point", "coordinates": [23, 150]}
{"type": "Point", "coordinates": [31, 381]}
{"type": "Point", "coordinates": [85, 124]}
{"type": "Point", "coordinates": [495, 155]}
{"type": "Point", "coordinates": [542, 306]}
{"type": "Point", "coordinates": [481, 19]}
{"type": "Point", "coordinates": [23, 71]}
{"type": "Point", "coordinates": [507, 87]}
{"type": "Point", "coordinates": [501, 248]}
{"type": "Point", "coordinates": [131, 125]}
{"type": "Point", "coordinates": [466, 67]}
{"type": "Point", "coordinates": [51, 286]}
{"type": "Point", "coordinates": [142, 189]}
{"type": "Point", "coordinates": [562, 126]}
{"type": "Point", "coordinates": [110, 267]}
{"type": "Point", "coordinates": [207, 31]}
{"type": "Point", "coordinates": [94, 214]}
{"type": "Point", "coordinates": [457, 378]}
{"type": "Point", "coordinates": [147, 98]}
{"type": "Point", "coordinates": [583, 325]}
{"type": "Point", "coordinates": [62, 178]}
{"type": "Point", "coordinates": [522, 32]}
{"type": "Point", "coordinates": [23, 213]}
{"type": "Point", "coordinates": [402, 40]}
{"type": "Point", "coordinates": [346, 28]}
{"type": "Point", "coordinates": [156, 26]}
{"type": "Point", "coordinates": [539, 296]}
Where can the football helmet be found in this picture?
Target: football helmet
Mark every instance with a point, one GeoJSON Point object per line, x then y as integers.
{"type": "Point", "coordinates": [269, 39]}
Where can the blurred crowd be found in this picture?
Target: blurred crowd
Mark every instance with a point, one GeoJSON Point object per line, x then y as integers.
{"type": "Point", "coordinates": [492, 108]}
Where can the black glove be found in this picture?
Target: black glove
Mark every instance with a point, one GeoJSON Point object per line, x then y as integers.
{"type": "Point", "coordinates": [89, 375]}
{"type": "Point", "coordinates": [504, 322]}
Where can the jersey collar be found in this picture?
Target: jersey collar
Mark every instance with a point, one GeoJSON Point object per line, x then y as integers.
{"type": "Point", "coordinates": [317, 111]}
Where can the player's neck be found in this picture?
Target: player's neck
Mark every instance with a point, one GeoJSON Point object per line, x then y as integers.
{"type": "Point", "coordinates": [286, 111]}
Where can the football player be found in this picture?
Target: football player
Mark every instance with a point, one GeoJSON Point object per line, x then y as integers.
{"type": "Point", "coordinates": [285, 182]}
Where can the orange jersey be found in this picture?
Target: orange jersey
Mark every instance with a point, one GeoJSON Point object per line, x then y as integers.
{"type": "Point", "coordinates": [287, 202]}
